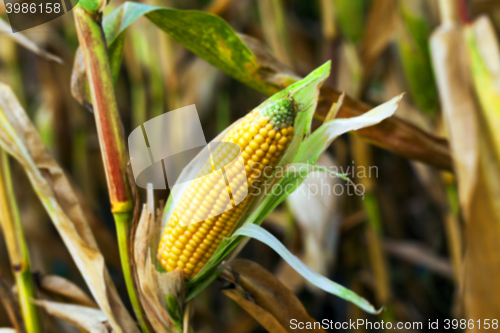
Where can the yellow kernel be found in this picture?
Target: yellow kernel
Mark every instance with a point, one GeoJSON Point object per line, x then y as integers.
{"type": "Point", "coordinates": [254, 145]}
{"type": "Point", "coordinates": [262, 122]}
{"type": "Point", "coordinates": [263, 132]}
{"type": "Point", "coordinates": [271, 134]}
{"type": "Point", "coordinates": [272, 149]}
{"type": "Point", "coordinates": [283, 140]}
{"type": "Point", "coordinates": [176, 251]}
{"type": "Point", "coordinates": [278, 136]}
{"type": "Point", "coordinates": [252, 130]}
{"type": "Point", "coordinates": [258, 138]}
{"type": "Point", "coordinates": [284, 131]}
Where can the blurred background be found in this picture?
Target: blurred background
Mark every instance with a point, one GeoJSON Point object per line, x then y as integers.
{"type": "Point", "coordinates": [400, 245]}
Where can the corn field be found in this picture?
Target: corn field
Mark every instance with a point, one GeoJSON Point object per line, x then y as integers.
{"type": "Point", "coordinates": [249, 166]}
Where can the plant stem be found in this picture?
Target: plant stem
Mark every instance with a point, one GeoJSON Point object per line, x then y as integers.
{"type": "Point", "coordinates": [110, 133]}
{"type": "Point", "coordinates": [17, 248]}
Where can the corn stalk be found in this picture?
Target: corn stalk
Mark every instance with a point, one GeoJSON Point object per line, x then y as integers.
{"type": "Point", "coordinates": [17, 248]}
{"type": "Point", "coordinates": [111, 140]}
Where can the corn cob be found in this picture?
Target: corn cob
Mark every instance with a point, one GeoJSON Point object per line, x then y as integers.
{"type": "Point", "coordinates": [263, 137]}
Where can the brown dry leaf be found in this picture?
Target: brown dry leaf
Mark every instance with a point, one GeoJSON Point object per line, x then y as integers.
{"type": "Point", "coordinates": [266, 319]}
{"type": "Point", "coordinates": [420, 255]}
{"type": "Point", "coordinates": [482, 262]}
{"type": "Point", "coordinates": [379, 32]}
{"type": "Point", "coordinates": [79, 84]}
{"type": "Point", "coordinates": [61, 286]}
{"type": "Point", "coordinates": [22, 40]}
{"type": "Point", "coordinates": [19, 138]}
{"type": "Point", "coordinates": [476, 163]}
{"type": "Point", "coordinates": [393, 134]}
{"type": "Point", "coordinates": [85, 318]}
{"type": "Point", "coordinates": [146, 274]}
{"type": "Point", "coordinates": [459, 109]}
{"type": "Point", "coordinates": [11, 307]}
{"type": "Point", "coordinates": [260, 287]}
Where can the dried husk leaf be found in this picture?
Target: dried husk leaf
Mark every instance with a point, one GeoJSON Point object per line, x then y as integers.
{"type": "Point", "coordinates": [19, 138]}
{"type": "Point", "coordinates": [258, 286]}
{"type": "Point", "coordinates": [61, 286]}
{"type": "Point", "coordinates": [148, 278]}
{"type": "Point", "coordinates": [85, 318]}
{"type": "Point", "coordinates": [266, 319]}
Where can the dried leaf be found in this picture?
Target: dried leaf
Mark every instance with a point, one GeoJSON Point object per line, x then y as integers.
{"type": "Point", "coordinates": [79, 84]}
{"type": "Point", "coordinates": [482, 263]}
{"type": "Point", "coordinates": [476, 162]}
{"type": "Point", "coordinates": [393, 134]}
{"type": "Point", "coordinates": [20, 139]}
{"type": "Point", "coordinates": [264, 290]}
{"type": "Point", "coordinates": [11, 306]}
{"type": "Point", "coordinates": [266, 319]}
{"type": "Point", "coordinates": [85, 318]}
{"type": "Point", "coordinates": [419, 255]}
{"type": "Point", "coordinates": [22, 40]}
{"type": "Point", "coordinates": [379, 32]}
{"type": "Point", "coordinates": [147, 276]}
{"type": "Point", "coordinates": [458, 106]}
{"type": "Point", "coordinates": [61, 286]}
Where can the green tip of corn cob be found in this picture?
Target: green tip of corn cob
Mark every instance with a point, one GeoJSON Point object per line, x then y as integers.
{"type": "Point", "coordinates": [263, 136]}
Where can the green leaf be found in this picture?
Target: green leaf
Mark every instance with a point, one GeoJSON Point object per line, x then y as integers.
{"type": "Point", "coordinates": [259, 233]}
{"type": "Point", "coordinates": [415, 57]}
{"type": "Point", "coordinates": [350, 16]}
{"type": "Point", "coordinates": [206, 35]}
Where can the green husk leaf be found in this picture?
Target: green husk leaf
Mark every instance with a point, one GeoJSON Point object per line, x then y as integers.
{"type": "Point", "coordinates": [259, 233]}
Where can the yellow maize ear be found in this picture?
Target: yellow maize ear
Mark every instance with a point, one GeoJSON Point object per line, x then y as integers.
{"type": "Point", "coordinates": [263, 136]}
